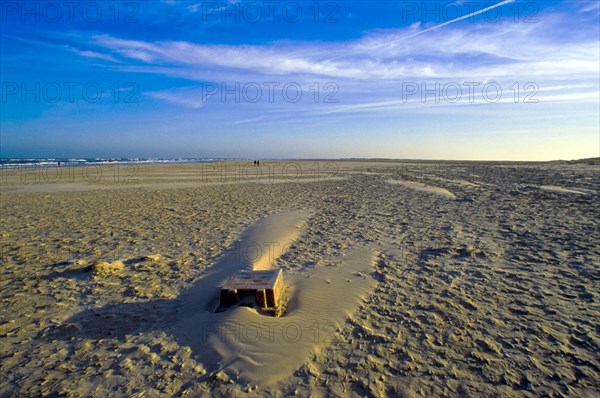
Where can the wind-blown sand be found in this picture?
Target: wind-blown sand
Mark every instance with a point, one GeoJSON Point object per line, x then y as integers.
{"type": "Point", "coordinates": [467, 279]}
{"type": "Point", "coordinates": [425, 188]}
{"type": "Point", "coordinates": [243, 344]}
{"type": "Point", "coordinates": [563, 190]}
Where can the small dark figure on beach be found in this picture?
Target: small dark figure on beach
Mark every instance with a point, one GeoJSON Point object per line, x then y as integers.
{"type": "Point", "coordinates": [255, 162]}
{"type": "Point", "coordinates": [59, 164]}
{"type": "Point", "coordinates": [258, 162]}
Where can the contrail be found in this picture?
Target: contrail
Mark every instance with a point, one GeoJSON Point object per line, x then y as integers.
{"type": "Point", "coordinates": [436, 26]}
{"type": "Point", "coordinates": [459, 18]}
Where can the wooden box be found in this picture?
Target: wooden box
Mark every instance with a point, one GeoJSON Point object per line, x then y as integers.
{"type": "Point", "coordinates": [263, 289]}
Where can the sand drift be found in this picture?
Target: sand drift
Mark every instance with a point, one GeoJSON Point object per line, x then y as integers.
{"type": "Point", "coordinates": [245, 345]}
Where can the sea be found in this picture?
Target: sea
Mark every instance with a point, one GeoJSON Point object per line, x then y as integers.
{"type": "Point", "coordinates": [54, 162]}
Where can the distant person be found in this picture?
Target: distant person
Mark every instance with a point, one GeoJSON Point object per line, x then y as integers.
{"type": "Point", "coordinates": [255, 162]}
{"type": "Point", "coordinates": [258, 162]}
{"type": "Point", "coordinates": [59, 163]}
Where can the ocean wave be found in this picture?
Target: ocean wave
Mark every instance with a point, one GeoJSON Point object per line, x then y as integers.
{"type": "Point", "coordinates": [55, 162]}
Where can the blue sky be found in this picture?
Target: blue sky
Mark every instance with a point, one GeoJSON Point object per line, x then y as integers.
{"type": "Point", "coordinates": [499, 80]}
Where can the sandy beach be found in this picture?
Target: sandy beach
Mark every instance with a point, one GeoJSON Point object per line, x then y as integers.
{"type": "Point", "coordinates": [403, 279]}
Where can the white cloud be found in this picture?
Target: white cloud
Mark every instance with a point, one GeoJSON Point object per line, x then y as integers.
{"type": "Point", "coordinates": [381, 60]}
{"type": "Point", "coordinates": [189, 97]}
{"type": "Point", "coordinates": [590, 5]}
{"type": "Point", "coordinates": [251, 120]}
{"type": "Point", "coordinates": [500, 49]}
{"type": "Point", "coordinates": [93, 54]}
{"type": "Point", "coordinates": [193, 8]}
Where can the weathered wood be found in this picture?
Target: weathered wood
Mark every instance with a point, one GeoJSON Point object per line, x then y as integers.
{"type": "Point", "coordinates": [264, 289]}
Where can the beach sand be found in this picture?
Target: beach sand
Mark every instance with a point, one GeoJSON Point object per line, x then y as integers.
{"type": "Point", "coordinates": [404, 279]}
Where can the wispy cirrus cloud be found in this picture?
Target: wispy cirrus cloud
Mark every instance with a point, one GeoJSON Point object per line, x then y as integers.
{"type": "Point", "coordinates": [251, 120]}
{"type": "Point", "coordinates": [176, 49]}
{"type": "Point", "coordinates": [189, 97]}
{"type": "Point", "coordinates": [501, 49]}
{"type": "Point", "coordinates": [94, 54]}
{"type": "Point", "coordinates": [589, 6]}
{"type": "Point", "coordinates": [368, 67]}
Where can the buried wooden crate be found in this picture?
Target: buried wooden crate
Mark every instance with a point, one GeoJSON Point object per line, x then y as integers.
{"type": "Point", "coordinates": [261, 288]}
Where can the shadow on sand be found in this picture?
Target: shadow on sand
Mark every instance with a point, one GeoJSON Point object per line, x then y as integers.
{"type": "Point", "coordinates": [120, 320]}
